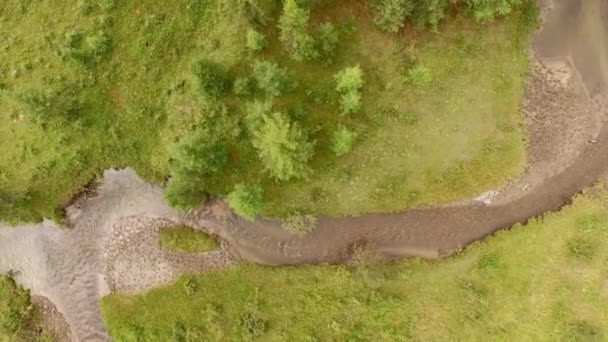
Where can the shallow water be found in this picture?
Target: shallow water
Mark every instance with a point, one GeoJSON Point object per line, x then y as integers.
{"type": "Point", "coordinates": [64, 264]}
{"type": "Point", "coordinates": [578, 30]}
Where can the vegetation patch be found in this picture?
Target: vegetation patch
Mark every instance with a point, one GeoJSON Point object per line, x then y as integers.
{"type": "Point", "coordinates": [290, 97]}
{"type": "Point", "coordinates": [516, 285]}
{"type": "Point", "coordinates": [185, 239]}
{"type": "Point", "coordinates": [19, 318]}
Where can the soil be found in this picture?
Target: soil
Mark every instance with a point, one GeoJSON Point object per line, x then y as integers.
{"type": "Point", "coordinates": [112, 244]}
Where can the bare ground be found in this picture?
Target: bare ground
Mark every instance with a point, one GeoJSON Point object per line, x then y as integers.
{"type": "Point", "coordinates": [111, 244]}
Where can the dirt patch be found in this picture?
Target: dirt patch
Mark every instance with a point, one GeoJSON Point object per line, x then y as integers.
{"type": "Point", "coordinates": [51, 319]}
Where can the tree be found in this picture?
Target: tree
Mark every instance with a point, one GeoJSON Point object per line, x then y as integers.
{"type": "Point", "coordinates": [429, 13]}
{"type": "Point", "coordinates": [348, 82]}
{"type": "Point", "coordinates": [283, 147]}
{"type": "Point", "coordinates": [349, 79]}
{"type": "Point", "coordinates": [255, 113]}
{"type": "Point", "coordinates": [256, 41]}
{"type": "Point", "coordinates": [244, 86]}
{"type": "Point", "coordinates": [350, 102]}
{"type": "Point", "coordinates": [295, 38]}
{"type": "Point", "coordinates": [390, 15]}
{"type": "Point", "coordinates": [211, 78]}
{"type": "Point", "coordinates": [196, 160]}
{"type": "Point", "coordinates": [419, 75]}
{"type": "Point", "coordinates": [327, 39]}
{"type": "Point", "coordinates": [270, 78]}
{"type": "Point", "coordinates": [183, 195]}
{"type": "Point", "coordinates": [487, 10]}
{"type": "Point", "coordinates": [343, 140]}
{"type": "Point", "coordinates": [246, 200]}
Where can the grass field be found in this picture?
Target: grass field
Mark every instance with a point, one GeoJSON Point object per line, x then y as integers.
{"type": "Point", "coordinates": [87, 85]}
{"type": "Point", "coordinates": [546, 281]}
{"type": "Point", "coordinates": [185, 239]}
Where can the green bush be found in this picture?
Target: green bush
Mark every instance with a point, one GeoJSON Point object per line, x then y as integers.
{"type": "Point", "coordinates": [419, 75]}
{"type": "Point", "coordinates": [246, 200]}
{"type": "Point", "coordinates": [298, 224]}
{"type": "Point", "coordinates": [350, 79]}
{"type": "Point", "coordinates": [343, 140]}
{"type": "Point", "coordinates": [350, 102]}
{"type": "Point", "coordinates": [256, 41]}
{"type": "Point", "coordinates": [283, 147]}
{"type": "Point", "coordinates": [390, 15]}
{"type": "Point", "coordinates": [211, 78]}
{"type": "Point", "coordinates": [271, 78]}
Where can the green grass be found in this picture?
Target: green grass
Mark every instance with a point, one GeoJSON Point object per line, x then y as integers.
{"type": "Point", "coordinates": [185, 239]}
{"type": "Point", "coordinates": [137, 99]}
{"type": "Point", "coordinates": [18, 317]}
{"type": "Point", "coordinates": [546, 281]}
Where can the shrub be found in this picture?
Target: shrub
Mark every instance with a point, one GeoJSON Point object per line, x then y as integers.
{"type": "Point", "coordinates": [343, 140]}
{"type": "Point", "coordinates": [350, 102]}
{"type": "Point", "coordinates": [98, 45]}
{"type": "Point", "coordinates": [85, 7]}
{"type": "Point", "coordinates": [299, 224]}
{"type": "Point", "coordinates": [327, 39]}
{"type": "Point", "coordinates": [350, 79]}
{"type": "Point", "coordinates": [283, 147]}
{"type": "Point", "coordinates": [270, 78]}
{"type": "Point", "coordinates": [246, 200]}
{"type": "Point", "coordinates": [583, 246]}
{"type": "Point", "coordinates": [419, 75]}
{"type": "Point", "coordinates": [178, 332]}
{"type": "Point", "coordinates": [390, 15]}
{"type": "Point", "coordinates": [108, 5]}
{"type": "Point", "coordinates": [244, 86]}
{"type": "Point", "coordinates": [258, 11]}
{"type": "Point", "coordinates": [252, 324]}
{"type": "Point", "coordinates": [211, 78]}
{"type": "Point", "coordinates": [190, 285]}
{"type": "Point", "coordinates": [256, 41]}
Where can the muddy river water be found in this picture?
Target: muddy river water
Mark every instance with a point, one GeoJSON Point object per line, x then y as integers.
{"type": "Point", "coordinates": [108, 243]}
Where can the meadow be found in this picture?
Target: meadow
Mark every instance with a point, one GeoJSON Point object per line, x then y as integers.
{"type": "Point", "coordinates": [86, 86]}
